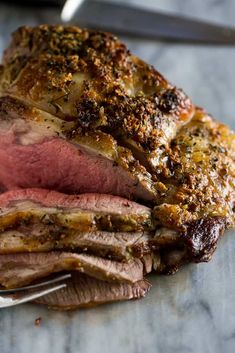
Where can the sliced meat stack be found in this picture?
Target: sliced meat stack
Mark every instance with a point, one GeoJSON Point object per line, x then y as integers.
{"type": "Point", "coordinates": [101, 236]}
{"type": "Point", "coordinates": [37, 220]}
{"type": "Point", "coordinates": [107, 170]}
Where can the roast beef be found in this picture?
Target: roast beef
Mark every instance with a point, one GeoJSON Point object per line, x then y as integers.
{"type": "Point", "coordinates": [40, 150]}
{"type": "Point", "coordinates": [88, 202]}
{"type": "Point", "coordinates": [87, 212]}
{"type": "Point", "coordinates": [36, 220]}
{"type": "Point", "coordinates": [115, 245]}
{"type": "Point", "coordinates": [20, 269]}
{"type": "Point", "coordinates": [80, 114]}
{"type": "Point", "coordinates": [88, 88]}
{"type": "Point", "coordinates": [86, 291]}
{"type": "Point", "coordinates": [90, 77]}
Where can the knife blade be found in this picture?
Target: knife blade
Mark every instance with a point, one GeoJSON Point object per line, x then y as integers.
{"type": "Point", "coordinates": [132, 20]}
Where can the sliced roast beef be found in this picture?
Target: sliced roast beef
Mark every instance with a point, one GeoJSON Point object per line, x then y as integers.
{"type": "Point", "coordinates": [38, 148]}
{"type": "Point", "coordinates": [115, 245]}
{"type": "Point", "coordinates": [86, 291]}
{"type": "Point", "coordinates": [93, 202]}
{"type": "Point", "coordinates": [20, 269]}
{"type": "Point", "coordinates": [23, 210]}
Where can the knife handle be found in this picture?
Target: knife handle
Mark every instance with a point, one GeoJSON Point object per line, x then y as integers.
{"type": "Point", "coordinates": [34, 3]}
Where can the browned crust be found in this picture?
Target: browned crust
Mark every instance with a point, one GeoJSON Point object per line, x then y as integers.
{"type": "Point", "coordinates": [199, 175]}
{"type": "Point", "coordinates": [120, 93]}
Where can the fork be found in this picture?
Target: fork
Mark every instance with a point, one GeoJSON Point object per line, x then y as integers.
{"type": "Point", "coordinates": [7, 301]}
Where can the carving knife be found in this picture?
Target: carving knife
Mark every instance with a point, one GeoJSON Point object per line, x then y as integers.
{"type": "Point", "coordinates": [132, 20]}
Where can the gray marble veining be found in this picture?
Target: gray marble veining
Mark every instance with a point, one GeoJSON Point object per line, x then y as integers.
{"type": "Point", "coordinates": [192, 311]}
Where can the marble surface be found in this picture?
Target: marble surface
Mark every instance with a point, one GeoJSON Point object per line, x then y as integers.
{"type": "Point", "coordinates": [192, 311]}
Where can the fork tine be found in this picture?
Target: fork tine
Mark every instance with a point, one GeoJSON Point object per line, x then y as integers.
{"type": "Point", "coordinates": [9, 301]}
{"type": "Point", "coordinates": [33, 286]}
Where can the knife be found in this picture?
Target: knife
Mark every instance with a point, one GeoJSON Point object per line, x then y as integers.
{"type": "Point", "coordinates": [32, 3]}
{"type": "Point", "coordinates": [132, 20]}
